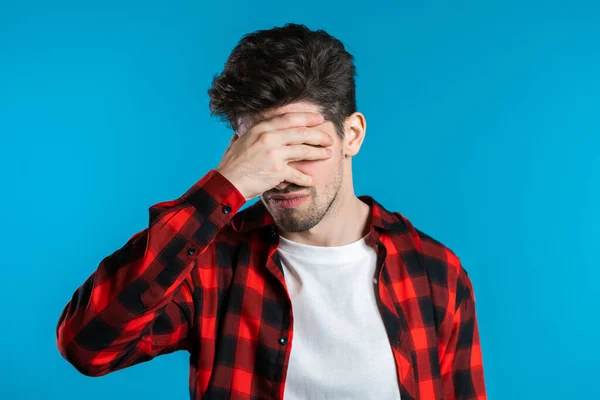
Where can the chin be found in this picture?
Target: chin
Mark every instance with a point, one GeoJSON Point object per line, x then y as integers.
{"type": "Point", "coordinates": [293, 226]}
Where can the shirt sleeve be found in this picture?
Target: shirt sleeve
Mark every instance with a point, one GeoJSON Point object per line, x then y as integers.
{"type": "Point", "coordinates": [461, 360]}
{"type": "Point", "coordinates": [138, 303]}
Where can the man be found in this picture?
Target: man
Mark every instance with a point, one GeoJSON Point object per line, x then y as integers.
{"type": "Point", "coordinates": [311, 293]}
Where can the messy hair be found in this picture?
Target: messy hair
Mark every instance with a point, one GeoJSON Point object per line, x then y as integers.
{"type": "Point", "coordinates": [272, 68]}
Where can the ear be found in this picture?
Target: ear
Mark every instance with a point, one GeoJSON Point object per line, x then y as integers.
{"type": "Point", "coordinates": [355, 128]}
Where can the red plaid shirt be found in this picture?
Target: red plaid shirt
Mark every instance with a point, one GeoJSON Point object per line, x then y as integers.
{"type": "Point", "coordinates": [206, 278]}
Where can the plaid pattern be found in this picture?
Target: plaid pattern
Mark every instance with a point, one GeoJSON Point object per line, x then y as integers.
{"type": "Point", "coordinates": [205, 278]}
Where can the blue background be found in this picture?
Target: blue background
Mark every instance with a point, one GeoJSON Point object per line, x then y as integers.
{"type": "Point", "coordinates": [483, 130]}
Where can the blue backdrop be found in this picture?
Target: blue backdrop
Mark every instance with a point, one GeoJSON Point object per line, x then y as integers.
{"type": "Point", "coordinates": [483, 129]}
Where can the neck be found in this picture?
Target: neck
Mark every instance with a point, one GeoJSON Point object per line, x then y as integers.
{"type": "Point", "coordinates": [345, 223]}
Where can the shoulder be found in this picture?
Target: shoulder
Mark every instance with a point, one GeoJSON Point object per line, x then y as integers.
{"type": "Point", "coordinates": [435, 251]}
{"type": "Point", "coordinates": [430, 248]}
{"type": "Point", "coordinates": [442, 265]}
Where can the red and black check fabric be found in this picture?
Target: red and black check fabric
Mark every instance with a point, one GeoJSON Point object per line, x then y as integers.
{"type": "Point", "coordinates": [206, 278]}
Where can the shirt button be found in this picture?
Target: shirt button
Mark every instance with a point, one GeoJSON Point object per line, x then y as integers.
{"type": "Point", "coordinates": [283, 340]}
{"type": "Point", "coordinates": [191, 251]}
{"type": "Point", "coordinates": [375, 281]}
{"type": "Point", "coordinates": [226, 209]}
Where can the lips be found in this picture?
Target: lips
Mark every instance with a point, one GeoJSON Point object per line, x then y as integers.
{"type": "Point", "coordinates": [285, 197]}
{"type": "Point", "coordinates": [287, 201]}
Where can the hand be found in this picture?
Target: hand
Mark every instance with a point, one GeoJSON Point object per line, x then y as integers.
{"type": "Point", "coordinates": [258, 160]}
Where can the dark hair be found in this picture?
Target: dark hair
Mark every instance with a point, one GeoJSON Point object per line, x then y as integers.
{"type": "Point", "coordinates": [271, 68]}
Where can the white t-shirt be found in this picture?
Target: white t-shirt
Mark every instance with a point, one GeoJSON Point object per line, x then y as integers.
{"type": "Point", "coordinates": [340, 349]}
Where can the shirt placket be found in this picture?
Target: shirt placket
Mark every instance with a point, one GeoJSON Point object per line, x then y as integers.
{"type": "Point", "coordinates": [286, 330]}
{"type": "Point", "coordinates": [395, 324]}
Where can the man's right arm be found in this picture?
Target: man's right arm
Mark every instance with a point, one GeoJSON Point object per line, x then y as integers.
{"type": "Point", "coordinates": [111, 321]}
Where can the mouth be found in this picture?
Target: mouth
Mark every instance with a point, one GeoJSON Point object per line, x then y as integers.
{"type": "Point", "coordinates": [287, 201]}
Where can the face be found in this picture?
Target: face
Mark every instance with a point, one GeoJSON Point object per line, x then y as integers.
{"type": "Point", "coordinates": [327, 177]}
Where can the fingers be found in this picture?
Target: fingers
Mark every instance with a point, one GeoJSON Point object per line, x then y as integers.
{"type": "Point", "coordinates": [294, 176]}
{"type": "Point", "coordinates": [305, 135]}
{"type": "Point", "coordinates": [306, 152]}
{"type": "Point", "coordinates": [287, 120]}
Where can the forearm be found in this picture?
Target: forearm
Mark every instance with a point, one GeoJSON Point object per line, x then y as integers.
{"type": "Point", "coordinates": [461, 363]}
{"type": "Point", "coordinates": [107, 324]}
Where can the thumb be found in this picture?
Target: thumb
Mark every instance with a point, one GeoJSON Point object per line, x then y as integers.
{"type": "Point", "coordinates": [232, 141]}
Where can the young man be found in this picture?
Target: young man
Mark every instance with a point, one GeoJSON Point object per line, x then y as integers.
{"type": "Point", "coordinates": [312, 292]}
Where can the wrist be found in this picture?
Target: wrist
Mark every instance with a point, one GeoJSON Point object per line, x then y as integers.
{"type": "Point", "coordinates": [231, 178]}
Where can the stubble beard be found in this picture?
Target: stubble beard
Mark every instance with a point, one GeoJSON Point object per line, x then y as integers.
{"type": "Point", "coordinates": [310, 213]}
